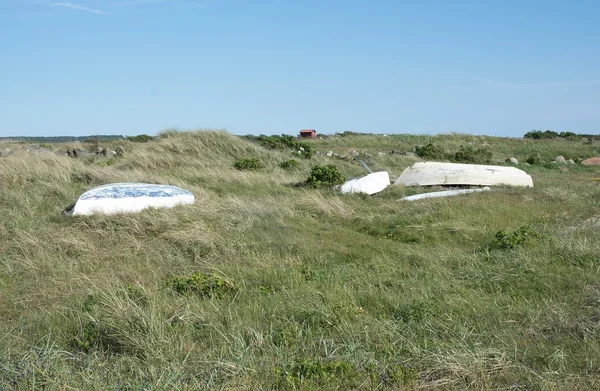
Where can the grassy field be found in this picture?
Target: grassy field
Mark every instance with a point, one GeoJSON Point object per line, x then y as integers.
{"type": "Point", "coordinates": [263, 284]}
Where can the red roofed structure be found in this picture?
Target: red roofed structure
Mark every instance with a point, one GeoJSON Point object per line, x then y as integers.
{"type": "Point", "coordinates": [308, 133]}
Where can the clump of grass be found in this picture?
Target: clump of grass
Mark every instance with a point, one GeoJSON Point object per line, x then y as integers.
{"type": "Point", "coordinates": [324, 176]}
{"type": "Point", "coordinates": [289, 164]}
{"type": "Point", "coordinates": [248, 164]}
{"type": "Point", "coordinates": [204, 285]}
{"type": "Point", "coordinates": [524, 235]}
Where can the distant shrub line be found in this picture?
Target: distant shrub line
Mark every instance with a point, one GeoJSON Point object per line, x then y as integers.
{"type": "Point", "coordinates": [465, 154]}
{"type": "Point", "coordinates": [550, 134]}
{"type": "Point", "coordinates": [284, 141]}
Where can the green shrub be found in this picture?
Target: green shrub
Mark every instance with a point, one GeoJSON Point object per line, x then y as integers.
{"type": "Point", "coordinates": [321, 372]}
{"type": "Point", "coordinates": [205, 285]}
{"type": "Point", "coordinates": [142, 138]}
{"type": "Point", "coordinates": [466, 154]}
{"type": "Point", "coordinates": [534, 159]}
{"type": "Point", "coordinates": [248, 164]}
{"type": "Point", "coordinates": [106, 162]}
{"type": "Point", "coordinates": [519, 237]}
{"type": "Point", "coordinates": [325, 176]}
{"type": "Point", "coordinates": [289, 164]}
{"type": "Point", "coordinates": [431, 152]}
{"type": "Point", "coordinates": [287, 141]}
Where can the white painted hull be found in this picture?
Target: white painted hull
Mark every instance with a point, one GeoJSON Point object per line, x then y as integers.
{"type": "Point", "coordinates": [432, 174]}
{"type": "Point", "coordinates": [369, 184]}
{"type": "Point", "coordinates": [130, 198]}
{"type": "Point", "coordinates": [446, 193]}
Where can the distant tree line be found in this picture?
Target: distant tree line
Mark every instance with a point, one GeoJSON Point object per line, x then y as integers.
{"type": "Point", "coordinates": [142, 138]}
{"type": "Point", "coordinates": [548, 134]}
{"type": "Point", "coordinates": [62, 139]}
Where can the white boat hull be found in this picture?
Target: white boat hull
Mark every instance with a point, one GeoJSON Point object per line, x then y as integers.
{"type": "Point", "coordinates": [130, 198]}
{"type": "Point", "coordinates": [432, 174]}
{"type": "Point", "coordinates": [369, 184]}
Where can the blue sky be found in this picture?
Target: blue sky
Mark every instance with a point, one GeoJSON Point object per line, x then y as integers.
{"type": "Point", "coordinates": [505, 67]}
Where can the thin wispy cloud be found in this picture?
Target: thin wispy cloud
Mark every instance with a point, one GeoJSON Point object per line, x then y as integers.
{"type": "Point", "coordinates": [541, 84]}
{"type": "Point", "coordinates": [78, 7]}
{"type": "Point", "coordinates": [128, 3]}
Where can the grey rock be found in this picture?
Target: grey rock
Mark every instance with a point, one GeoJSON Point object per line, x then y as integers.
{"type": "Point", "coordinates": [396, 152]}
{"type": "Point", "coordinates": [329, 154]}
{"type": "Point", "coordinates": [380, 154]}
{"type": "Point", "coordinates": [120, 151]}
{"type": "Point", "coordinates": [560, 159]}
{"type": "Point", "coordinates": [571, 161]}
{"type": "Point", "coordinates": [512, 160]}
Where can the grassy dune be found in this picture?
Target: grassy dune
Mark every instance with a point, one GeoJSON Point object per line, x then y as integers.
{"type": "Point", "coordinates": [301, 288]}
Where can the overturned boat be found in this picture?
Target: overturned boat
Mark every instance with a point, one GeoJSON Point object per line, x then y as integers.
{"type": "Point", "coordinates": [369, 184]}
{"type": "Point", "coordinates": [455, 174]}
{"type": "Point", "coordinates": [129, 198]}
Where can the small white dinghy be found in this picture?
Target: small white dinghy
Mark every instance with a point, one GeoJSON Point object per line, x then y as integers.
{"type": "Point", "coordinates": [432, 174]}
{"type": "Point", "coordinates": [369, 184]}
{"type": "Point", "coordinates": [129, 198]}
{"type": "Point", "coordinates": [445, 193]}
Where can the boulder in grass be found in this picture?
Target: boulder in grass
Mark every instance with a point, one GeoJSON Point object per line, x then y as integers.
{"type": "Point", "coordinates": [593, 161]}
{"type": "Point", "coordinates": [560, 159]}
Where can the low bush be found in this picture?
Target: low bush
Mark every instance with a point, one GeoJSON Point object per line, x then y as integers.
{"type": "Point", "coordinates": [204, 285]}
{"type": "Point", "coordinates": [325, 176]}
{"type": "Point", "coordinates": [142, 138]}
{"type": "Point", "coordinates": [320, 372]}
{"type": "Point", "coordinates": [286, 141]}
{"type": "Point", "coordinates": [534, 159]}
{"type": "Point", "coordinates": [248, 164]}
{"type": "Point", "coordinates": [289, 164]}
{"type": "Point", "coordinates": [519, 237]}
{"type": "Point", "coordinates": [431, 152]}
{"type": "Point", "coordinates": [467, 154]}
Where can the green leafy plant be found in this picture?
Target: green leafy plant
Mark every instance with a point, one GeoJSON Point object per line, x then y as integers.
{"type": "Point", "coordinates": [205, 285]}
{"type": "Point", "coordinates": [519, 237]}
{"type": "Point", "coordinates": [467, 154]}
{"type": "Point", "coordinates": [431, 152]}
{"type": "Point", "coordinates": [324, 176]}
{"type": "Point", "coordinates": [534, 159]}
{"type": "Point", "coordinates": [289, 164]}
{"type": "Point", "coordinates": [286, 141]}
{"type": "Point", "coordinates": [248, 164]}
{"type": "Point", "coordinates": [321, 372]}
